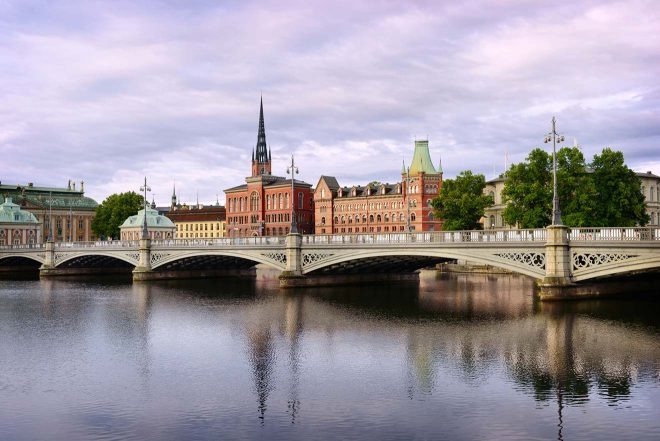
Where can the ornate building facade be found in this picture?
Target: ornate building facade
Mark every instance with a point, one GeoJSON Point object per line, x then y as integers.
{"type": "Point", "coordinates": [381, 208]}
{"type": "Point", "coordinates": [72, 212]}
{"type": "Point", "coordinates": [262, 206]}
{"type": "Point", "coordinates": [17, 226]}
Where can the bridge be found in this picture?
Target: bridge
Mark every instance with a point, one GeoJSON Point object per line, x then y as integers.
{"type": "Point", "coordinates": [560, 258]}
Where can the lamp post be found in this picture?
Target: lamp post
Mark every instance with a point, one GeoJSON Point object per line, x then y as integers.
{"type": "Point", "coordinates": [408, 200]}
{"type": "Point", "coordinates": [556, 139]}
{"type": "Point", "coordinates": [50, 216]}
{"type": "Point", "coordinates": [145, 188]}
{"type": "Point", "coordinates": [293, 170]}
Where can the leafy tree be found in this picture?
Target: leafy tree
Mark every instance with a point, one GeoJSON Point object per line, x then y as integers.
{"type": "Point", "coordinates": [619, 200]}
{"type": "Point", "coordinates": [461, 202]}
{"type": "Point", "coordinates": [607, 195]}
{"type": "Point", "coordinates": [113, 211]}
{"type": "Point", "coordinates": [527, 191]}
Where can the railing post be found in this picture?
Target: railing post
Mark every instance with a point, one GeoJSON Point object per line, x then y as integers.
{"type": "Point", "coordinates": [142, 271]}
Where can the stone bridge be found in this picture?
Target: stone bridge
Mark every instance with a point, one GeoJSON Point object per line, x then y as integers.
{"type": "Point", "coordinates": [561, 259]}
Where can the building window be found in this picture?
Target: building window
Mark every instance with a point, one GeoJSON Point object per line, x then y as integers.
{"type": "Point", "coordinates": [322, 193]}
{"type": "Point", "coordinates": [300, 200]}
{"type": "Point", "coordinates": [254, 201]}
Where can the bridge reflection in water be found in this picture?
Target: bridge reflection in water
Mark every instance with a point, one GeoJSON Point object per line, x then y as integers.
{"type": "Point", "coordinates": [454, 354]}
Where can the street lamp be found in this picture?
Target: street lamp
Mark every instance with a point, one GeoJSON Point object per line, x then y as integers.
{"type": "Point", "coordinates": [145, 188]}
{"type": "Point", "coordinates": [293, 170]}
{"type": "Point", "coordinates": [408, 200]}
{"type": "Point", "coordinates": [556, 139]}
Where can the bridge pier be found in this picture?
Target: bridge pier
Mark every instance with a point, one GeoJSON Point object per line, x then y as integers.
{"type": "Point", "coordinates": [143, 270]}
{"type": "Point", "coordinates": [48, 267]}
{"type": "Point", "coordinates": [292, 276]}
{"type": "Point", "coordinates": [558, 281]}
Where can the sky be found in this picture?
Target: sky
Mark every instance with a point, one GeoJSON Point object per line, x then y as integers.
{"type": "Point", "coordinates": [110, 92]}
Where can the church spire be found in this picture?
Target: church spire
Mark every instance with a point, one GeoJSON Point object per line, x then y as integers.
{"type": "Point", "coordinates": [261, 153]}
{"type": "Point", "coordinates": [174, 195]}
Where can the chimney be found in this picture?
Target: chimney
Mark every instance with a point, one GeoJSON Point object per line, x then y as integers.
{"type": "Point", "coordinates": [74, 186]}
{"type": "Point", "coordinates": [30, 184]}
{"type": "Point", "coordinates": [82, 186]}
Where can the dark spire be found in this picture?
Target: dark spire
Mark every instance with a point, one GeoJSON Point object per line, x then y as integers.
{"type": "Point", "coordinates": [261, 154]}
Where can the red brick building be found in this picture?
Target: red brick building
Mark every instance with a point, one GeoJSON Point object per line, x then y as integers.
{"type": "Point", "coordinates": [381, 208]}
{"type": "Point", "coordinates": [262, 206]}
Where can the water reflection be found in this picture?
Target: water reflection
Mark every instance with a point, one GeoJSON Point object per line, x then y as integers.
{"type": "Point", "coordinates": [194, 356]}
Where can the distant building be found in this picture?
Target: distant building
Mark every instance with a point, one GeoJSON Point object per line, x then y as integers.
{"type": "Point", "coordinates": [262, 206]}
{"type": "Point", "coordinates": [197, 221]}
{"type": "Point", "coordinates": [17, 226]}
{"type": "Point", "coordinates": [494, 215]}
{"type": "Point", "coordinates": [72, 211]}
{"type": "Point", "coordinates": [381, 208]}
{"type": "Point", "coordinates": [158, 226]}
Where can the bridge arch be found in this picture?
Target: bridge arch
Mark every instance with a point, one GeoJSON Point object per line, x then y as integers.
{"type": "Point", "coordinates": [646, 263]}
{"type": "Point", "coordinates": [529, 262]}
{"type": "Point", "coordinates": [275, 259]}
{"type": "Point", "coordinates": [95, 259]}
{"type": "Point", "coordinates": [11, 259]}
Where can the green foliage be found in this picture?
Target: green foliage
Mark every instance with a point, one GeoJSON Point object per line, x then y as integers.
{"type": "Point", "coordinates": [610, 195]}
{"type": "Point", "coordinates": [113, 211]}
{"type": "Point", "coordinates": [528, 191]}
{"type": "Point", "coordinates": [619, 200]}
{"type": "Point", "coordinates": [461, 202]}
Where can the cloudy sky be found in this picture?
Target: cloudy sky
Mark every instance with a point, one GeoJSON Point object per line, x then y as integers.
{"type": "Point", "coordinates": [108, 92]}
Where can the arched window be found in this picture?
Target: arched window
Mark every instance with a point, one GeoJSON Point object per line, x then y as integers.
{"type": "Point", "coordinates": [364, 218]}
{"type": "Point", "coordinates": [401, 218]}
{"type": "Point", "coordinates": [268, 202]}
{"type": "Point", "coordinates": [286, 200]}
{"type": "Point", "coordinates": [254, 201]}
{"type": "Point", "coordinates": [336, 219]}
{"type": "Point", "coordinates": [300, 200]}
{"type": "Point", "coordinates": [378, 218]}
{"type": "Point", "coordinates": [279, 203]}
{"type": "Point", "coordinates": [412, 217]}
{"type": "Point", "coordinates": [371, 218]}
{"type": "Point", "coordinates": [430, 216]}
{"type": "Point", "coordinates": [343, 219]}
{"type": "Point", "coordinates": [323, 221]}
{"type": "Point", "coordinates": [387, 217]}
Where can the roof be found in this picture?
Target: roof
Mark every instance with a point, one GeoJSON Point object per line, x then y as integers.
{"type": "Point", "coordinates": [421, 162]}
{"type": "Point", "coordinates": [648, 174]}
{"type": "Point", "coordinates": [154, 220]}
{"type": "Point", "coordinates": [42, 196]}
{"type": "Point", "coordinates": [12, 213]}
{"type": "Point", "coordinates": [281, 182]}
{"type": "Point", "coordinates": [361, 191]}
{"type": "Point", "coordinates": [204, 214]}
{"type": "Point", "coordinates": [330, 181]}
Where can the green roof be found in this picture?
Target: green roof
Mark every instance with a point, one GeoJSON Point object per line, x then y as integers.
{"type": "Point", "coordinates": [421, 161]}
{"type": "Point", "coordinates": [41, 196]}
{"type": "Point", "coordinates": [153, 220]}
{"type": "Point", "coordinates": [12, 213]}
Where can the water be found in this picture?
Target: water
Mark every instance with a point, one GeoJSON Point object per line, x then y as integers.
{"type": "Point", "coordinates": [451, 357]}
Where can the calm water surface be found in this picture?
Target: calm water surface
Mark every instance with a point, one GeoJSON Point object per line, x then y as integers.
{"type": "Point", "coordinates": [450, 357]}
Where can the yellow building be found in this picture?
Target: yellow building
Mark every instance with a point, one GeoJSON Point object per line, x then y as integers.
{"type": "Point", "coordinates": [198, 222]}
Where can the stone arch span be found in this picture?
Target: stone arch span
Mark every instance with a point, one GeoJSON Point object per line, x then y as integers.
{"type": "Point", "coordinates": [164, 259]}
{"type": "Point", "coordinates": [97, 259]}
{"type": "Point", "coordinates": [624, 267]}
{"type": "Point", "coordinates": [529, 262]}
{"type": "Point", "coordinates": [19, 259]}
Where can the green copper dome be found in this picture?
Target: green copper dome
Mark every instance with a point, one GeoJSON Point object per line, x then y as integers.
{"type": "Point", "coordinates": [10, 212]}
{"type": "Point", "coordinates": [154, 220]}
{"type": "Point", "coordinates": [421, 162]}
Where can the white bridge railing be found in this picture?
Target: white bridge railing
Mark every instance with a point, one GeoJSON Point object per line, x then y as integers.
{"type": "Point", "coordinates": [533, 235]}
{"type": "Point", "coordinates": [603, 234]}
{"type": "Point", "coordinates": [632, 234]}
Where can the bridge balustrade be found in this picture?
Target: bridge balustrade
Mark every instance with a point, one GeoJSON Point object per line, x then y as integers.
{"type": "Point", "coordinates": [98, 244]}
{"type": "Point", "coordinates": [32, 246]}
{"type": "Point", "coordinates": [537, 235]}
{"type": "Point", "coordinates": [223, 241]}
{"type": "Point", "coordinates": [615, 234]}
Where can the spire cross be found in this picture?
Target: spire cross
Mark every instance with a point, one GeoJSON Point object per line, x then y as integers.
{"type": "Point", "coordinates": [145, 188]}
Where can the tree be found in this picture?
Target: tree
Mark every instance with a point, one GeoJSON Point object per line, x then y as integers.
{"type": "Point", "coordinates": [461, 202]}
{"type": "Point", "coordinates": [607, 195]}
{"type": "Point", "coordinates": [619, 199]}
{"type": "Point", "coordinates": [113, 211]}
{"type": "Point", "coordinates": [527, 191]}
